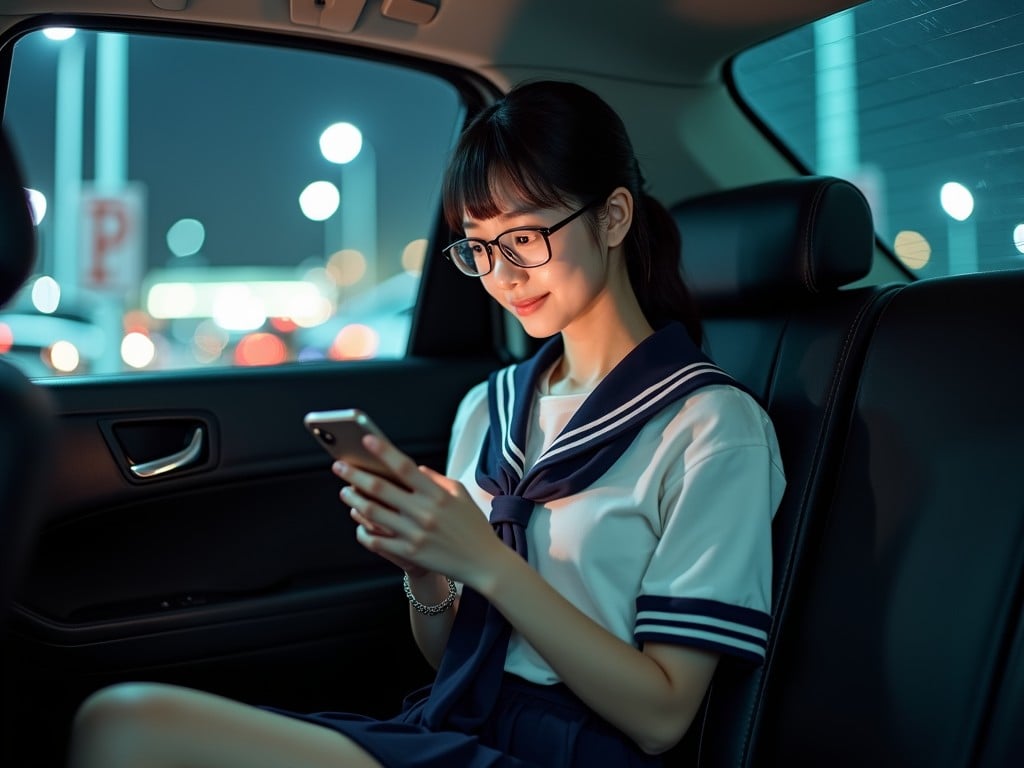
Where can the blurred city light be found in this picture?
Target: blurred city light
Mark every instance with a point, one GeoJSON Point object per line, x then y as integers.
{"type": "Point", "coordinates": [260, 349]}
{"type": "Point", "coordinates": [185, 237]}
{"type": "Point", "coordinates": [137, 349]}
{"type": "Point", "coordinates": [45, 294]}
{"type": "Point", "coordinates": [912, 249]}
{"type": "Point", "coordinates": [6, 338]}
{"type": "Point", "coordinates": [36, 204]}
{"type": "Point", "coordinates": [346, 267]}
{"type": "Point", "coordinates": [413, 256]}
{"type": "Point", "coordinates": [354, 342]}
{"type": "Point", "coordinates": [319, 200]}
{"type": "Point", "coordinates": [209, 341]}
{"type": "Point", "coordinates": [956, 200]}
{"type": "Point", "coordinates": [341, 142]}
{"type": "Point", "coordinates": [64, 356]}
{"type": "Point", "coordinates": [236, 308]}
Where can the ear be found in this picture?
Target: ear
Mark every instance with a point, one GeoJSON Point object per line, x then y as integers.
{"type": "Point", "coordinates": [619, 206]}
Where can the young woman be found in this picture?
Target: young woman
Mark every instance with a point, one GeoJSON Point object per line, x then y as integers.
{"type": "Point", "coordinates": [631, 482]}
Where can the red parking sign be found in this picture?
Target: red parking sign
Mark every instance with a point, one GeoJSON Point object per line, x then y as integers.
{"type": "Point", "coordinates": [112, 241]}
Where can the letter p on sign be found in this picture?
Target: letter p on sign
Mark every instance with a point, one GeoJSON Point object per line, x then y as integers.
{"type": "Point", "coordinates": [112, 239]}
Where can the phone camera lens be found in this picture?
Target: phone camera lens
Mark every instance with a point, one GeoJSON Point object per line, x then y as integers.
{"type": "Point", "coordinates": [323, 434]}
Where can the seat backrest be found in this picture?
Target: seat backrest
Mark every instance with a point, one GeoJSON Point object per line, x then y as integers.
{"type": "Point", "coordinates": [26, 412]}
{"type": "Point", "coordinates": [906, 646]}
{"type": "Point", "coordinates": [767, 265]}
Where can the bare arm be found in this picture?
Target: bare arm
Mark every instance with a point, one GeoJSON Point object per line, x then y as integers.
{"type": "Point", "coordinates": [430, 588]}
{"type": "Point", "coordinates": [431, 632]}
{"type": "Point", "coordinates": [650, 694]}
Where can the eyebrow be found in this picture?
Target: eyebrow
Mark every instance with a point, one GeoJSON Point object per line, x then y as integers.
{"type": "Point", "coordinates": [467, 223]}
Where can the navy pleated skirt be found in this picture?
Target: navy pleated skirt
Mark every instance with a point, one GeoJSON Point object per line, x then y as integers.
{"type": "Point", "coordinates": [534, 726]}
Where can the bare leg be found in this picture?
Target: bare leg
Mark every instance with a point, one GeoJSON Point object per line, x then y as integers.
{"type": "Point", "coordinates": [150, 725]}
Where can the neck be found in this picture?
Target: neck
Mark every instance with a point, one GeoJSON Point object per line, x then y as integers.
{"type": "Point", "coordinates": [600, 336]}
{"type": "Point", "coordinates": [593, 349]}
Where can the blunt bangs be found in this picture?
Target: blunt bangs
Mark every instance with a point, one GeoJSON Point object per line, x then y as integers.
{"type": "Point", "coordinates": [492, 172]}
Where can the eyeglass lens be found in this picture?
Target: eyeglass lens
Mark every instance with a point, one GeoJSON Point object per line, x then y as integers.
{"type": "Point", "coordinates": [524, 247]}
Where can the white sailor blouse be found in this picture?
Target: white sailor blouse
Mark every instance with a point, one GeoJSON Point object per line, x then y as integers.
{"type": "Point", "coordinates": [672, 543]}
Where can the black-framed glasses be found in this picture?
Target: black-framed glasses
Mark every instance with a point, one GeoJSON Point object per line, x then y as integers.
{"type": "Point", "coordinates": [525, 247]}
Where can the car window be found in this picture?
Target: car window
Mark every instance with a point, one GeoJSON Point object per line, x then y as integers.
{"type": "Point", "coordinates": [203, 203]}
{"type": "Point", "coordinates": [919, 103]}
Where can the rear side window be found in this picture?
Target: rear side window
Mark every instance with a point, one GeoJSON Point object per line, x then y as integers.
{"type": "Point", "coordinates": [206, 203]}
{"type": "Point", "coordinates": [919, 103]}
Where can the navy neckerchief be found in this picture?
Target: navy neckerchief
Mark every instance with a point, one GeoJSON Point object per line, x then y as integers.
{"type": "Point", "coordinates": [662, 369]}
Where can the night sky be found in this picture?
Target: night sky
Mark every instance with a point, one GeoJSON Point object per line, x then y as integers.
{"type": "Point", "coordinates": [228, 134]}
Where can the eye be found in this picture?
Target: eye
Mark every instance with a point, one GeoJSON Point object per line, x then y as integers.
{"type": "Point", "coordinates": [527, 238]}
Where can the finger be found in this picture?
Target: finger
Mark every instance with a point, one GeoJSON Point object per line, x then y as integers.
{"type": "Point", "coordinates": [390, 548]}
{"type": "Point", "coordinates": [449, 485]}
{"type": "Point", "coordinates": [368, 539]}
{"type": "Point", "coordinates": [372, 513]}
{"type": "Point", "coordinates": [374, 528]}
{"type": "Point", "coordinates": [398, 462]}
{"type": "Point", "coordinates": [371, 485]}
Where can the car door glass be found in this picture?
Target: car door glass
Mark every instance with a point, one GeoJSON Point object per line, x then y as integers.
{"type": "Point", "coordinates": [919, 103]}
{"type": "Point", "coordinates": [203, 202]}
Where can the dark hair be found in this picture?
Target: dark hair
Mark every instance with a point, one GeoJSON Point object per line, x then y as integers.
{"type": "Point", "coordinates": [556, 144]}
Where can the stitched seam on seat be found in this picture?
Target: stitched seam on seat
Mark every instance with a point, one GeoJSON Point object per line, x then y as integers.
{"type": "Point", "coordinates": [842, 362]}
{"type": "Point", "coordinates": [807, 271]}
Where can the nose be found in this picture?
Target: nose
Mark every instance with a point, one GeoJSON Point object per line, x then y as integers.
{"type": "Point", "coordinates": [504, 271]}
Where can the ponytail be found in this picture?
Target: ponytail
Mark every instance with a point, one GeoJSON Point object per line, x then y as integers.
{"type": "Point", "coordinates": [652, 262]}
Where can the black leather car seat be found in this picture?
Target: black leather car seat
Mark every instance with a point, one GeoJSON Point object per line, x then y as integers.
{"type": "Point", "coordinates": [26, 412]}
{"type": "Point", "coordinates": [768, 265]}
{"type": "Point", "coordinates": [904, 643]}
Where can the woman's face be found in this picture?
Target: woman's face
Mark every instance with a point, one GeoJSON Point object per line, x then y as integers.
{"type": "Point", "coordinates": [552, 297]}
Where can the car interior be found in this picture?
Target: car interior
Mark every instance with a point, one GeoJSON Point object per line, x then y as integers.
{"type": "Point", "coordinates": [897, 634]}
{"type": "Point", "coordinates": [26, 413]}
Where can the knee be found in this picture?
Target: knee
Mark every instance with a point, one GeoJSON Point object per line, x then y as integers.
{"type": "Point", "coordinates": [118, 721]}
{"type": "Point", "coordinates": [124, 703]}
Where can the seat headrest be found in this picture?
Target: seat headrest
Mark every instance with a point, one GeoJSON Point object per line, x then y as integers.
{"type": "Point", "coordinates": [17, 234]}
{"type": "Point", "coordinates": [774, 243]}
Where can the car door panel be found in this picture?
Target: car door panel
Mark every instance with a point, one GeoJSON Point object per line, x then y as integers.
{"type": "Point", "coordinates": [238, 574]}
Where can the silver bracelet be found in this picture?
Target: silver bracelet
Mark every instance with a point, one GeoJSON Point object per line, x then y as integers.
{"type": "Point", "coordinates": [429, 610]}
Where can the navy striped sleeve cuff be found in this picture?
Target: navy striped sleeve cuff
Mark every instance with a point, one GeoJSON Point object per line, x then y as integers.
{"type": "Point", "coordinates": [709, 624]}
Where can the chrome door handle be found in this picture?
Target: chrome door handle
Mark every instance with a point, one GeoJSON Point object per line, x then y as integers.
{"type": "Point", "coordinates": [182, 458]}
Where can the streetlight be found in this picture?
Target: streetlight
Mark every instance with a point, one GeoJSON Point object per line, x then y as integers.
{"type": "Point", "coordinates": [835, 78]}
{"type": "Point", "coordinates": [110, 155]}
{"type": "Point", "coordinates": [319, 200]}
{"type": "Point", "coordinates": [67, 182]}
{"type": "Point", "coordinates": [343, 144]}
{"type": "Point", "coordinates": [958, 203]}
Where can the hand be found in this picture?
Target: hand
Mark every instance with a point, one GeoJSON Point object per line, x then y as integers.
{"type": "Point", "coordinates": [350, 496]}
{"type": "Point", "coordinates": [433, 525]}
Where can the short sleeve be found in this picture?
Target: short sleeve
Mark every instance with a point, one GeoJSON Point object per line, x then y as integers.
{"type": "Point", "coordinates": [708, 583]}
{"type": "Point", "coordinates": [470, 425]}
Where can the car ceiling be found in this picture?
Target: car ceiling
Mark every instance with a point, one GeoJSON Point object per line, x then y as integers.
{"type": "Point", "coordinates": [666, 42]}
{"type": "Point", "coordinates": [659, 63]}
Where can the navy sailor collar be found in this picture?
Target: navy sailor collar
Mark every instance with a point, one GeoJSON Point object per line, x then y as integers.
{"type": "Point", "coordinates": [661, 369]}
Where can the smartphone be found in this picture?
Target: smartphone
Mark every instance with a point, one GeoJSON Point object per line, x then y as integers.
{"type": "Point", "coordinates": [341, 432]}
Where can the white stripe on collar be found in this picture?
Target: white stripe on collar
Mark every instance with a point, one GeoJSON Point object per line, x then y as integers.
{"type": "Point", "coordinates": [506, 410]}
{"type": "Point", "coordinates": [654, 394]}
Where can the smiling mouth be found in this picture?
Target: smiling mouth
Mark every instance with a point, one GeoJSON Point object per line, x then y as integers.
{"type": "Point", "coordinates": [526, 307]}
